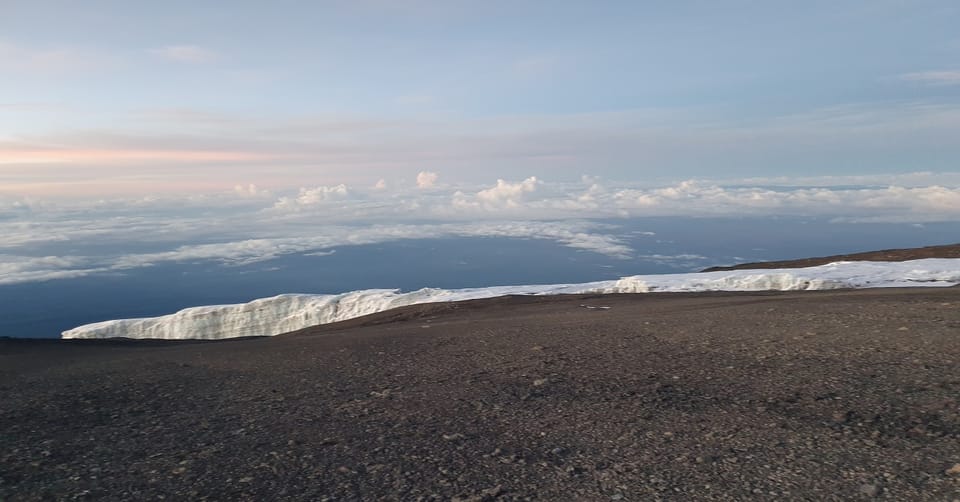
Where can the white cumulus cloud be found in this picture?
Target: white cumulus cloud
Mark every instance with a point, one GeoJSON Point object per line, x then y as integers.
{"type": "Point", "coordinates": [506, 193]}
{"type": "Point", "coordinates": [313, 196]}
{"type": "Point", "coordinates": [250, 190]}
{"type": "Point", "coordinates": [426, 179]}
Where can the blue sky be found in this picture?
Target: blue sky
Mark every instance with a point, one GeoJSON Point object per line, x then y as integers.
{"type": "Point", "coordinates": [131, 98]}
{"type": "Point", "coordinates": [486, 58]}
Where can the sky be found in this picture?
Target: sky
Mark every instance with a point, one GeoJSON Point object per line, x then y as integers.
{"type": "Point", "coordinates": [138, 133]}
{"type": "Point", "coordinates": [115, 98]}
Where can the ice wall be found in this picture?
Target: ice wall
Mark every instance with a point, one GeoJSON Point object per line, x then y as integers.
{"type": "Point", "coordinates": [286, 313]}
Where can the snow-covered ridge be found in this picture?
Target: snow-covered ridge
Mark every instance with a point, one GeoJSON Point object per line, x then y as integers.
{"type": "Point", "coordinates": [285, 313]}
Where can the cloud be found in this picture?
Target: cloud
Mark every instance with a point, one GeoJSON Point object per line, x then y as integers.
{"type": "Point", "coordinates": [246, 225]}
{"type": "Point", "coordinates": [573, 234]}
{"type": "Point", "coordinates": [309, 197]}
{"type": "Point", "coordinates": [504, 194]}
{"type": "Point", "coordinates": [508, 193]}
{"type": "Point", "coordinates": [893, 203]}
{"type": "Point", "coordinates": [912, 179]}
{"type": "Point", "coordinates": [320, 242]}
{"type": "Point", "coordinates": [191, 54]}
{"type": "Point", "coordinates": [18, 269]}
{"type": "Point", "coordinates": [250, 190]}
{"type": "Point", "coordinates": [426, 179]}
{"type": "Point", "coordinates": [941, 77]}
{"type": "Point", "coordinates": [17, 60]}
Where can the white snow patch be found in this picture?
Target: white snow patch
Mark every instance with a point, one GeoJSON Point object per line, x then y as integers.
{"type": "Point", "coordinates": [286, 313]}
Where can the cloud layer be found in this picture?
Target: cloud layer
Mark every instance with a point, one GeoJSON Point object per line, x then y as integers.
{"type": "Point", "coordinates": [52, 239]}
{"type": "Point", "coordinates": [940, 77]}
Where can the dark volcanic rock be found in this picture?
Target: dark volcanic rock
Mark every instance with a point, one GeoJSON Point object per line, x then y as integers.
{"type": "Point", "coordinates": [946, 251]}
{"type": "Point", "coordinates": [766, 396]}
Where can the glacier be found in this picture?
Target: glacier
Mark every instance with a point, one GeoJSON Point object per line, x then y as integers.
{"type": "Point", "coordinates": [290, 312]}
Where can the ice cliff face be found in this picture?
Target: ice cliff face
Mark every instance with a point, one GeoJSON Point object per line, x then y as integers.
{"type": "Point", "coordinates": [285, 313]}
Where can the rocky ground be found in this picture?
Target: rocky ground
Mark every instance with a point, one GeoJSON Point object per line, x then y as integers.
{"type": "Point", "coordinates": [839, 395]}
{"type": "Point", "coordinates": [944, 251]}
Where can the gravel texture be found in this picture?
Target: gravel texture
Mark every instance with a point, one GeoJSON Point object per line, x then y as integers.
{"type": "Point", "coordinates": [944, 251]}
{"type": "Point", "coordinates": [841, 395]}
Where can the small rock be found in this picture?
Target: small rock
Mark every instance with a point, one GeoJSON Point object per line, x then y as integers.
{"type": "Point", "coordinates": [484, 496]}
{"type": "Point", "coordinates": [870, 490]}
{"type": "Point", "coordinates": [842, 417]}
{"type": "Point", "coordinates": [953, 471]}
{"type": "Point", "coordinates": [246, 479]}
{"type": "Point", "coordinates": [539, 382]}
{"type": "Point", "coordinates": [454, 437]}
{"type": "Point", "coordinates": [492, 492]}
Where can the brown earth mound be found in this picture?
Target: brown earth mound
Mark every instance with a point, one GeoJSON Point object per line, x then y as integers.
{"type": "Point", "coordinates": [945, 251]}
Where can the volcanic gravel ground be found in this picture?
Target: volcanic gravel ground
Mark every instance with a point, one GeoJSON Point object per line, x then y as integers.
{"type": "Point", "coordinates": [944, 251]}
{"type": "Point", "coordinates": [767, 396]}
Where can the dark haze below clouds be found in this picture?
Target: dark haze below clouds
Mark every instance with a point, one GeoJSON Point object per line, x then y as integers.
{"type": "Point", "coordinates": [44, 309]}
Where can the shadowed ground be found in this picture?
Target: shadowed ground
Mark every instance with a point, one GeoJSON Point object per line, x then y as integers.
{"type": "Point", "coordinates": [823, 396]}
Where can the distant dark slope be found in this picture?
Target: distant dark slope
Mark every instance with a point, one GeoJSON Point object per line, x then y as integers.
{"type": "Point", "coordinates": [945, 251]}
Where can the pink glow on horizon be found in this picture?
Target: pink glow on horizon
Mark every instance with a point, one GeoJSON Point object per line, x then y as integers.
{"type": "Point", "coordinates": [70, 156]}
{"type": "Point", "coordinates": [80, 181]}
{"type": "Point", "coordinates": [96, 188]}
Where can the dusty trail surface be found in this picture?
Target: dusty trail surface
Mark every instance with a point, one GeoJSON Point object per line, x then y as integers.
{"type": "Point", "coordinates": [770, 396]}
